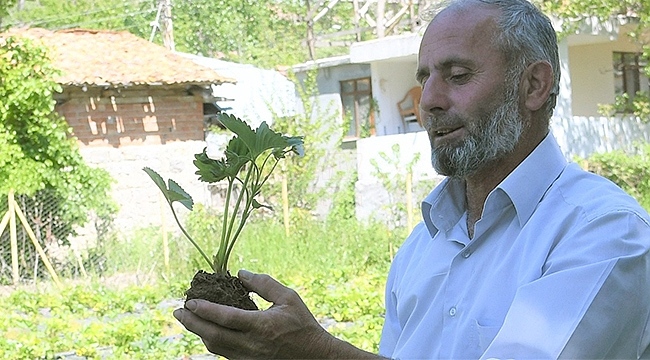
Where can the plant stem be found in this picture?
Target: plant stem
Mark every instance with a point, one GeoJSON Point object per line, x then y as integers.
{"type": "Point", "coordinates": [220, 260]}
{"type": "Point", "coordinates": [190, 238]}
{"type": "Point", "coordinates": [229, 241]}
{"type": "Point", "coordinates": [257, 185]}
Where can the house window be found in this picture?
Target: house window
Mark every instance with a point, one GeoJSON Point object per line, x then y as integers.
{"type": "Point", "coordinates": [356, 96]}
{"type": "Point", "coordinates": [629, 75]}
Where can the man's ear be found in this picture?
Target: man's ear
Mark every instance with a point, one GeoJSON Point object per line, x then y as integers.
{"type": "Point", "coordinates": [537, 84]}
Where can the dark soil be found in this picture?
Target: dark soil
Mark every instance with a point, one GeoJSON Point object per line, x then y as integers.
{"type": "Point", "coordinates": [222, 289]}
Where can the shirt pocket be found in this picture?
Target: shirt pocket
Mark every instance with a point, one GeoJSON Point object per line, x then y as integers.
{"type": "Point", "coordinates": [485, 333]}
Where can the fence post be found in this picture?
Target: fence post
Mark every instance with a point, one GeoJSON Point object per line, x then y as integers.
{"type": "Point", "coordinates": [38, 247]}
{"type": "Point", "coordinates": [163, 225]}
{"type": "Point", "coordinates": [14, 240]}
{"type": "Point", "coordinates": [409, 200]}
{"type": "Point", "coordinates": [285, 204]}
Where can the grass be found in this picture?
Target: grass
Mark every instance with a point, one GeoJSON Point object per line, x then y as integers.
{"type": "Point", "coordinates": [338, 267]}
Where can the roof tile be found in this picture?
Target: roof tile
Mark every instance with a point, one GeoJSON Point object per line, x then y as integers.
{"type": "Point", "coordinates": [116, 58]}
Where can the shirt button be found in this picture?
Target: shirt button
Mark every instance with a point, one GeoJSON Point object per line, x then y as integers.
{"type": "Point", "coordinates": [452, 311]}
{"type": "Point", "coordinates": [466, 253]}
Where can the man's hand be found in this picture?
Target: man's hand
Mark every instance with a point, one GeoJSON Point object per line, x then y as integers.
{"type": "Point", "coordinates": [285, 330]}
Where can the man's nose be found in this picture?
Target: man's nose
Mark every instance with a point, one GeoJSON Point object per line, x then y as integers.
{"type": "Point", "coordinates": [434, 95]}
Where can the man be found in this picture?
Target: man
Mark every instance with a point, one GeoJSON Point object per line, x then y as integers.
{"type": "Point", "coordinates": [520, 255]}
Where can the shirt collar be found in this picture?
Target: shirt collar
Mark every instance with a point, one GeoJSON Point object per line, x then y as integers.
{"type": "Point", "coordinates": [525, 186]}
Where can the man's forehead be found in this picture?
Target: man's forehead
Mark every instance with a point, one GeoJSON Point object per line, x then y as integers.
{"type": "Point", "coordinates": [454, 30]}
{"type": "Point", "coordinates": [467, 14]}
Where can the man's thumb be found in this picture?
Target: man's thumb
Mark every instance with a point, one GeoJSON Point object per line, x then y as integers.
{"type": "Point", "coordinates": [265, 286]}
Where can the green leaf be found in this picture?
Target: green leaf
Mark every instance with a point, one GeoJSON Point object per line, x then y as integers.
{"type": "Point", "coordinates": [156, 179]}
{"type": "Point", "coordinates": [237, 155]}
{"type": "Point", "coordinates": [240, 128]}
{"type": "Point", "coordinates": [297, 144]}
{"type": "Point", "coordinates": [209, 170]}
{"type": "Point", "coordinates": [173, 193]}
{"type": "Point", "coordinates": [176, 193]}
{"type": "Point", "coordinates": [268, 139]}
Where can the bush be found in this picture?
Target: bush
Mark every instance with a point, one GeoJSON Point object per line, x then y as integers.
{"type": "Point", "coordinates": [629, 171]}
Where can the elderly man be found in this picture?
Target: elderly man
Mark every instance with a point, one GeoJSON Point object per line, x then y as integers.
{"type": "Point", "coordinates": [519, 254]}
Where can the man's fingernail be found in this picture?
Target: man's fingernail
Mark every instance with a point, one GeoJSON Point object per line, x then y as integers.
{"type": "Point", "coordinates": [190, 305]}
{"type": "Point", "coordinates": [244, 274]}
{"type": "Point", "coordinates": [178, 314]}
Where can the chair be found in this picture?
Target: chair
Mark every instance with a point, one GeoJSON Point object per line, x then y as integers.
{"type": "Point", "coordinates": [409, 107]}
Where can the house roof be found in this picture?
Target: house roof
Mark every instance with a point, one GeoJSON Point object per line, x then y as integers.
{"type": "Point", "coordinates": [116, 58]}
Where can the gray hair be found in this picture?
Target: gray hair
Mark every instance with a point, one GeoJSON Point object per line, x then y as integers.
{"type": "Point", "coordinates": [526, 36]}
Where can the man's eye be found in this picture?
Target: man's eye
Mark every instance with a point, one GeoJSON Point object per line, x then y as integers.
{"type": "Point", "coordinates": [460, 78]}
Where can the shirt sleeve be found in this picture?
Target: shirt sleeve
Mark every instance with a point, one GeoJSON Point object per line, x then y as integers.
{"type": "Point", "coordinates": [592, 299]}
{"type": "Point", "coordinates": [391, 329]}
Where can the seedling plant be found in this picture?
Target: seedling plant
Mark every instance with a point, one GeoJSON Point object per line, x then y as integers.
{"type": "Point", "coordinates": [249, 159]}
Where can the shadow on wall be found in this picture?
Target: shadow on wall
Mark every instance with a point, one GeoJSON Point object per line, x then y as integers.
{"type": "Point", "coordinates": [582, 136]}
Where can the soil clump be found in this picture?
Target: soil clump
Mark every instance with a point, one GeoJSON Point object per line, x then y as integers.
{"type": "Point", "coordinates": [223, 289]}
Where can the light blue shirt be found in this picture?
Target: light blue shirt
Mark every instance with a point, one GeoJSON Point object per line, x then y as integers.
{"type": "Point", "coordinates": [558, 268]}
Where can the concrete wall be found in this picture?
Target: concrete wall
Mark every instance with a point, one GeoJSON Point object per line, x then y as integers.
{"type": "Point", "coordinates": [140, 201]}
{"type": "Point", "coordinates": [592, 75]}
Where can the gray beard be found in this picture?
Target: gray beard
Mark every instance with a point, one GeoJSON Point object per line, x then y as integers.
{"type": "Point", "coordinates": [489, 138]}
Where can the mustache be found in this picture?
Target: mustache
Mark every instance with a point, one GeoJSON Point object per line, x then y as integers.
{"type": "Point", "coordinates": [443, 120]}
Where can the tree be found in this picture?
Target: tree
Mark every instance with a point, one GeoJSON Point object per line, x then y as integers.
{"type": "Point", "coordinates": [132, 15]}
{"type": "Point", "coordinates": [248, 31]}
{"type": "Point", "coordinates": [264, 33]}
{"type": "Point", "coordinates": [39, 159]}
{"type": "Point", "coordinates": [5, 5]}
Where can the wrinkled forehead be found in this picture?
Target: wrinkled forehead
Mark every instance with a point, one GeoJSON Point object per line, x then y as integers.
{"type": "Point", "coordinates": [468, 20]}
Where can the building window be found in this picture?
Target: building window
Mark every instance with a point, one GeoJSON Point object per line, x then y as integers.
{"type": "Point", "coordinates": [629, 75]}
{"type": "Point", "coordinates": [356, 96]}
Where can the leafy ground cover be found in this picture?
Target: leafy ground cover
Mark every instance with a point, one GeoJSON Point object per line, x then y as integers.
{"type": "Point", "coordinates": [339, 269]}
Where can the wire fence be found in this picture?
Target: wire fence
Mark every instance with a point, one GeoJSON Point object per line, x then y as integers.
{"type": "Point", "coordinates": [37, 241]}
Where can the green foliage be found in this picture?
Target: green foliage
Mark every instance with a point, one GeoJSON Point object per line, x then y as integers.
{"type": "Point", "coordinates": [639, 106]}
{"type": "Point", "coordinates": [323, 133]}
{"type": "Point", "coordinates": [266, 33]}
{"type": "Point", "coordinates": [39, 159]}
{"type": "Point", "coordinates": [93, 321]}
{"type": "Point", "coordinates": [236, 30]}
{"type": "Point", "coordinates": [314, 247]}
{"type": "Point", "coordinates": [343, 202]}
{"type": "Point", "coordinates": [131, 15]}
{"type": "Point", "coordinates": [604, 9]}
{"type": "Point", "coordinates": [393, 173]}
{"type": "Point", "coordinates": [247, 31]}
{"type": "Point", "coordinates": [338, 267]}
{"type": "Point", "coordinates": [629, 171]}
{"type": "Point", "coordinates": [5, 5]}
{"type": "Point", "coordinates": [244, 167]}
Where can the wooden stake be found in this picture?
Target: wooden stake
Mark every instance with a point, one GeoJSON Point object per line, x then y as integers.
{"type": "Point", "coordinates": [285, 204]}
{"type": "Point", "coordinates": [409, 200]}
{"type": "Point", "coordinates": [80, 261]}
{"type": "Point", "coordinates": [14, 240]}
{"type": "Point", "coordinates": [165, 240]}
{"type": "Point", "coordinates": [4, 222]}
{"type": "Point", "coordinates": [38, 247]}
